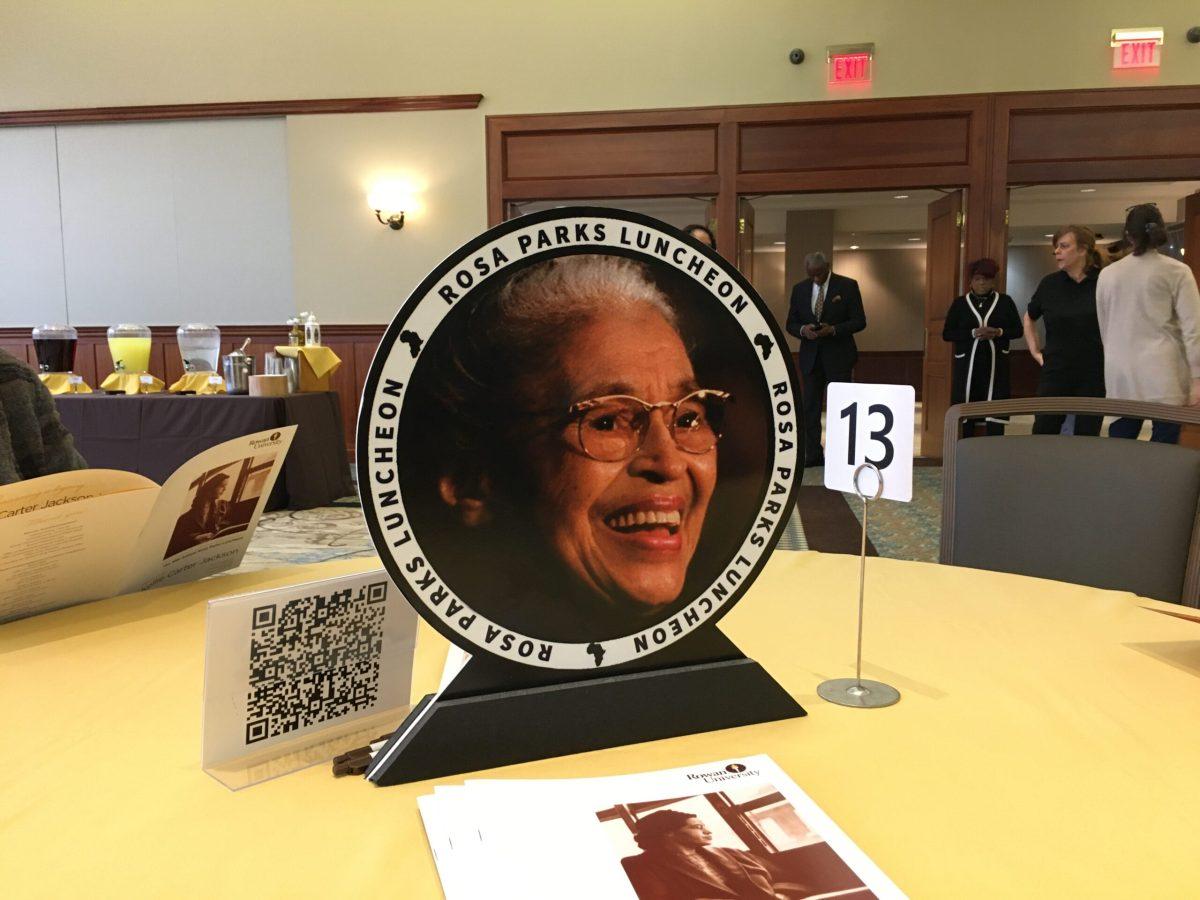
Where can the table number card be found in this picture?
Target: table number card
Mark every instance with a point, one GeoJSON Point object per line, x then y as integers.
{"type": "Point", "coordinates": [870, 423]}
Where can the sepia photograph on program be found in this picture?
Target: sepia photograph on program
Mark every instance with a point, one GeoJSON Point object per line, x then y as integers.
{"type": "Point", "coordinates": [220, 502]}
{"type": "Point", "coordinates": [745, 841]}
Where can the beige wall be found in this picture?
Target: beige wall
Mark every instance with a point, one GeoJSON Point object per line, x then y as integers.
{"type": "Point", "coordinates": [807, 231]}
{"type": "Point", "coordinates": [892, 283]}
{"type": "Point", "coordinates": [771, 283]}
{"type": "Point", "coordinates": [893, 289]}
{"type": "Point", "coordinates": [1026, 266]}
{"type": "Point", "coordinates": [557, 55]}
{"type": "Point", "coordinates": [348, 267]}
{"type": "Point", "coordinates": [546, 56]}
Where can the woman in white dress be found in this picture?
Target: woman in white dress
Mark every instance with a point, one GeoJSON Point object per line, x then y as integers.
{"type": "Point", "coordinates": [1149, 312]}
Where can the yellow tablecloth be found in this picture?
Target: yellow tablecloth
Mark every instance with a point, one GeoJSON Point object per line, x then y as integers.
{"type": "Point", "coordinates": [1045, 746]}
{"type": "Point", "coordinates": [317, 365]}
{"type": "Point", "coordinates": [199, 383]}
{"type": "Point", "coordinates": [64, 383]}
{"type": "Point", "coordinates": [132, 383]}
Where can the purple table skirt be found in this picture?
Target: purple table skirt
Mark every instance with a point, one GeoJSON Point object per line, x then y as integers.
{"type": "Point", "coordinates": [154, 434]}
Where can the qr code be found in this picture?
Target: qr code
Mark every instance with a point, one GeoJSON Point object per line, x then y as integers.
{"type": "Point", "coordinates": [314, 659]}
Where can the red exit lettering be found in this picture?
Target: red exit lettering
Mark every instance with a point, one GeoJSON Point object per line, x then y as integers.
{"type": "Point", "coordinates": [1136, 55]}
{"type": "Point", "coordinates": [854, 67]}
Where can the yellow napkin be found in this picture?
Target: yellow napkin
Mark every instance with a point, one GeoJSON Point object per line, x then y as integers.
{"type": "Point", "coordinates": [64, 383]}
{"type": "Point", "coordinates": [132, 383]}
{"type": "Point", "coordinates": [199, 383]}
{"type": "Point", "coordinates": [317, 365]}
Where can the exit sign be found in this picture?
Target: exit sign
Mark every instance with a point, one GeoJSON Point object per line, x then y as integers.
{"type": "Point", "coordinates": [850, 64]}
{"type": "Point", "coordinates": [1136, 48]}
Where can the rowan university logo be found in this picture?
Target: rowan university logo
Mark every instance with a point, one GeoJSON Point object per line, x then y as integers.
{"type": "Point", "coordinates": [575, 445]}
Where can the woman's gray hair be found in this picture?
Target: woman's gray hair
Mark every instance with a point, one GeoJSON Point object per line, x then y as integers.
{"type": "Point", "coordinates": [538, 305]}
{"type": "Point", "coordinates": [478, 370]}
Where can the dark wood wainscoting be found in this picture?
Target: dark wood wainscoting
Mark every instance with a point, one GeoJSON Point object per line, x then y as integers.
{"type": "Point", "coordinates": [904, 367]}
{"type": "Point", "coordinates": [1024, 374]}
{"type": "Point", "coordinates": [887, 367]}
{"type": "Point", "coordinates": [355, 344]}
{"type": "Point", "coordinates": [890, 367]}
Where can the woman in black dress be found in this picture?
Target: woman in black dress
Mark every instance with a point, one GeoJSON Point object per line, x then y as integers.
{"type": "Point", "coordinates": [1073, 359]}
{"type": "Point", "coordinates": [981, 323]}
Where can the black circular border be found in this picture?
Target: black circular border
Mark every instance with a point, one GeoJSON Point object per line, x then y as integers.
{"type": "Point", "coordinates": [455, 259]}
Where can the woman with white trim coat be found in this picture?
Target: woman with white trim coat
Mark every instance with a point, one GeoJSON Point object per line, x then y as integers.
{"type": "Point", "coordinates": [981, 323]}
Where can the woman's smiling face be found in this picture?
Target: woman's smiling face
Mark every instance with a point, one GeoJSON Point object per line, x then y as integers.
{"type": "Point", "coordinates": [627, 529]}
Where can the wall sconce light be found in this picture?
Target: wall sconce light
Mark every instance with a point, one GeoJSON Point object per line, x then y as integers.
{"type": "Point", "coordinates": [388, 202]}
{"type": "Point", "coordinates": [395, 220]}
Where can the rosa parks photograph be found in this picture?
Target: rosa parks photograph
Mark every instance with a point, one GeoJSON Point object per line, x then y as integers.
{"type": "Point", "coordinates": [746, 841]}
{"type": "Point", "coordinates": [586, 441]}
{"type": "Point", "coordinates": [220, 502]}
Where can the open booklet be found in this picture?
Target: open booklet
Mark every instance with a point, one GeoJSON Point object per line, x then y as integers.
{"type": "Point", "coordinates": [733, 828]}
{"type": "Point", "coordinates": [95, 533]}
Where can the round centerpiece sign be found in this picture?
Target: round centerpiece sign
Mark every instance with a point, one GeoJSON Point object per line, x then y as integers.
{"type": "Point", "coordinates": [579, 440]}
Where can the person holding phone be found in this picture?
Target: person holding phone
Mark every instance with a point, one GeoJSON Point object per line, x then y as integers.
{"type": "Point", "coordinates": [825, 312]}
{"type": "Point", "coordinates": [981, 323]}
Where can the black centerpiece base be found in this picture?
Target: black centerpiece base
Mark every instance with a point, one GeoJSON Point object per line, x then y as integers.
{"type": "Point", "coordinates": [496, 713]}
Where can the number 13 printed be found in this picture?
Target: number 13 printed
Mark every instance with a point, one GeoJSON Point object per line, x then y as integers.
{"type": "Point", "coordinates": [889, 451]}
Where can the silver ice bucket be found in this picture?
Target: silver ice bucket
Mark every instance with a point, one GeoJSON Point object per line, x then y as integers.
{"type": "Point", "coordinates": [238, 369]}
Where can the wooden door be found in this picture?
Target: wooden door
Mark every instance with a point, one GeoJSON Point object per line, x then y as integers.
{"type": "Point", "coordinates": [1190, 437]}
{"type": "Point", "coordinates": [1191, 232]}
{"type": "Point", "coordinates": [745, 239]}
{"type": "Point", "coordinates": [710, 219]}
{"type": "Point", "coordinates": [942, 279]}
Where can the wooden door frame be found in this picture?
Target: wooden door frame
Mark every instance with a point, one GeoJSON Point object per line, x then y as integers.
{"type": "Point", "coordinates": [726, 180]}
{"type": "Point", "coordinates": [1004, 171]}
{"type": "Point", "coordinates": [988, 165]}
{"type": "Point", "coordinates": [931, 431]}
{"type": "Point", "coordinates": [986, 174]}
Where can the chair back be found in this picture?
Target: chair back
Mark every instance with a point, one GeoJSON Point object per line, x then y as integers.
{"type": "Point", "coordinates": [1105, 512]}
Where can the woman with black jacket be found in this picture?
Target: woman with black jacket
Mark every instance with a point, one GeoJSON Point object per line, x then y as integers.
{"type": "Point", "coordinates": [981, 323]}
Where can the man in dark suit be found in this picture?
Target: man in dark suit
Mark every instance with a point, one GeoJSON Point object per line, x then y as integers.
{"type": "Point", "coordinates": [825, 313]}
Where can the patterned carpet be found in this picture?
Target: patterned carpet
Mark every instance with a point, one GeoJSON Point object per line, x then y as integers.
{"type": "Point", "coordinates": [288, 537]}
{"type": "Point", "coordinates": [897, 530]}
{"type": "Point", "coordinates": [910, 530]}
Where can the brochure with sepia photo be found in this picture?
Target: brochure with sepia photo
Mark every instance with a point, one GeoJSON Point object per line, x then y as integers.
{"type": "Point", "coordinates": [96, 533]}
{"type": "Point", "coordinates": [733, 828]}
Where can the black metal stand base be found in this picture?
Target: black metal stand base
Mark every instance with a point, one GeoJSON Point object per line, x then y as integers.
{"type": "Point", "coordinates": [497, 714]}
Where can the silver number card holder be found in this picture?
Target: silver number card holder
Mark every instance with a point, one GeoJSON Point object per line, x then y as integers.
{"type": "Point", "coordinates": [855, 691]}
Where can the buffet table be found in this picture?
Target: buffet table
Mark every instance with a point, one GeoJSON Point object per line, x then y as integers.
{"type": "Point", "coordinates": [1045, 744]}
{"type": "Point", "coordinates": [153, 434]}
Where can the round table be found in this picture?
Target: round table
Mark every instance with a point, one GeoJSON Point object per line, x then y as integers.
{"type": "Point", "coordinates": [1045, 744]}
